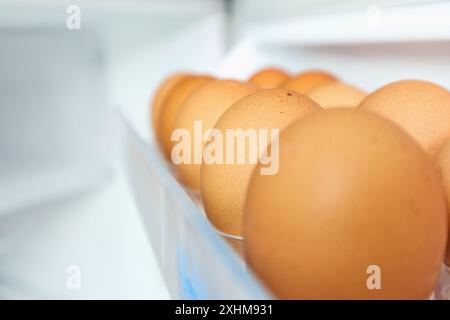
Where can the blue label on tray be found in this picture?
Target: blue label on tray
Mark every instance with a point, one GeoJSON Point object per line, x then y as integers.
{"type": "Point", "coordinates": [192, 286]}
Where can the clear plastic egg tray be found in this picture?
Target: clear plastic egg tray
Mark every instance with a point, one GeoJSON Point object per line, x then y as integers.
{"type": "Point", "coordinates": [196, 261]}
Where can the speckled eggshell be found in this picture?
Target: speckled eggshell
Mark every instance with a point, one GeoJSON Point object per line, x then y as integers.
{"type": "Point", "coordinates": [443, 163]}
{"type": "Point", "coordinates": [336, 94]}
{"type": "Point", "coordinates": [306, 81]}
{"type": "Point", "coordinates": [224, 186]}
{"type": "Point", "coordinates": [171, 106]}
{"type": "Point", "coordinates": [160, 94]}
{"type": "Point", "coordinates": [206, 104]}
{"type": "Point", "coordinates": [269, 78]}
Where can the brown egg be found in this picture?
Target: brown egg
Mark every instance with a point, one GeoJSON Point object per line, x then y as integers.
{"type": "Point", "coordinates": [336, 94]}
{"type": "Point", "coordinates": [161, 93]}
{"type": "Point", "coordinates": [421, 108]}
{"type": "Point", "coordinates": [356, 211]}
{"type": "Point", "coordinates": [306, 81]}
{"type": "Point", "coordinates": [205, 106]}
{"type": "Point", "coordinates": [224, 186]}
{"type": "Point", "coordinates": [269, 78]}
{"type": "Point", "coordinates": [443, 162]}
{"type": "Point", "coordinates": [171, 106]}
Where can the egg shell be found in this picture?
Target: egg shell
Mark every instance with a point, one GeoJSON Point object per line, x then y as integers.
{"type": "Point", "coordinates": [269, 78]}
{"type": "Point", "coordinates": [336, 94]}
{"type": "Point", "coordinates": [160, 94]}
{"type": "Point", "coordinates": [206, 104]}
{"type": "Point", "coordinates": [306, 81]}
{"type": "Point", "coordinates": [171, 106]}
{"type": "Point", "coordinates": [224, 186]}
{"type": "Point", "coordinates": [421, 108]}
{"type": "Point", "coordinates": [353, 193]}
{"type": "Point", "coordinates": [443, 163]}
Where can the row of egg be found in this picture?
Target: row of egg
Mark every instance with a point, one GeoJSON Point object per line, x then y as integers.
{"type": "Point", "coordinates": [362, 180]}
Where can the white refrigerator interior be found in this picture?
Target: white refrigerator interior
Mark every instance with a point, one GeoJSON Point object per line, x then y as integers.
{"type": "Point", "coordinates": [88, 208]}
